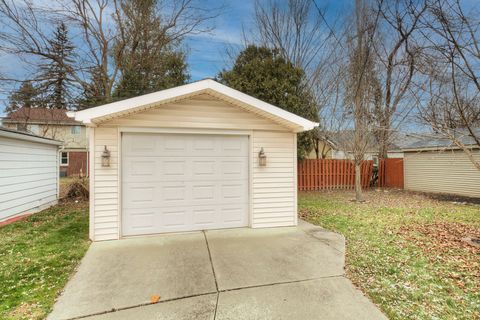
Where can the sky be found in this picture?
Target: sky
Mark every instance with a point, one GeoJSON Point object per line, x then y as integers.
{"type": "Point", "coordinates": [207, 52]}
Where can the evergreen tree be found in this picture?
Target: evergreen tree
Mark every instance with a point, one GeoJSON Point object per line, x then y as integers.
{"type": "Point", "coordinates": [54, 77]}
{"type": "Point", "coordinates": [26, 96]}
{"type": "Point", "coordinates": [94, 93]}
{"type": "Point", "coordinates": [262, 72]}
{"type": "Point", "coordinates": [149, 60]}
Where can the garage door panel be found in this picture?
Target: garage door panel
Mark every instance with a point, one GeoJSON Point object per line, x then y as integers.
{"type": "Point", "coordinates": [177, 183]}
{"type": "Point", "coordinates": [138, 169]}
{"type": "Point", "coordinates": [175, 219]}
{"type": "Point", "coordinates": [177, 193]}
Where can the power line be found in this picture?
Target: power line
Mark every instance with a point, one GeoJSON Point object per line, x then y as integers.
{"type": "Point", "coordinates": [327, 24]}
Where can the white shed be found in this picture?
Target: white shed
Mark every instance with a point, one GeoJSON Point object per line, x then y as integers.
{"type": "Point", "coordinates": [187, 158]}
{"type": "Point", "coordinates": [28, 173]}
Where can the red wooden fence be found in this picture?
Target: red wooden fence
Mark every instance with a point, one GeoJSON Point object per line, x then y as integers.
{"type": "Point", "coordinates": [328, 174]}
{"type": "Point", "coordinates": [321, 174]}
{"type": "Point", "coordinates": [390, 173]}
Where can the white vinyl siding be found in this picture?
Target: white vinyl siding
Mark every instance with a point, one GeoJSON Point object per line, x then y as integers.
{"type": "Point", "coordinates": [272, 188]}
{"type": "Point", "coordinates": [106, 221]}
{"type": "Point", "coordinates": [28, 176]}
{"type": "Point", "coordinates": [448, 171]}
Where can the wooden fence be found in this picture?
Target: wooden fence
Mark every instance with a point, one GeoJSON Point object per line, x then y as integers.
{"type": "Point", "coordinates": [322, 174]}
{"type": "Point", "coordinates": [390, 173]}
{"type": "Point", "coordinates": [329, 174]}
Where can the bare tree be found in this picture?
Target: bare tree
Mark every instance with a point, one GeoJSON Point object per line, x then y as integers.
{"type": "Point", "coordinates": [299, 31]}
{"type": "Point", "coordinates": [101, 24]}
{"type": "Point", "coordinates": [363, 83]}
{"type": "Point", "coordinates": [396, 54]}
{"type": "Point", "coordinates": [295, 29]}
{"type": "Point", "coordinates": [452, 65]}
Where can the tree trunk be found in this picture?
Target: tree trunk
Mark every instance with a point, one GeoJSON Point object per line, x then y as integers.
{"type": "Point", "coordinates": [358, 183]}
{"type": "Point", "coordinates": [383, 145]}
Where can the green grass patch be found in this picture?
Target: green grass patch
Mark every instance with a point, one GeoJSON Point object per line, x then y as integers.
{"type": "Point", "coordinates": [37, 257]}
{"type": "Point", "coordinates": [405, 252]}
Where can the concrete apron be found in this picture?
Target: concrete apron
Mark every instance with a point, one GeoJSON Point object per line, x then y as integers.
{"type": "Point", "coordinates": [280, 273]}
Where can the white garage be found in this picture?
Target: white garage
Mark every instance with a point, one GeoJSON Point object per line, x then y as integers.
{"type": "Point", "coordinates": [195, 157]}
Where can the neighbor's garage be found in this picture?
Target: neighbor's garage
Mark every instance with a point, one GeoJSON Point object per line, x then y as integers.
{"type": "Point", "coordinates": [447, 171]}
{"type": "Point", "coordinates": [28, 173]}
{"type": "Point", "coordinates": [190, 158]}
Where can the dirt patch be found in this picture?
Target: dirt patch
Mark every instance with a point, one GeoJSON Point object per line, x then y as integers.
{"type": "Point", "coordinates": [26, 311]}
{"type": "Point", "coordinates": [444, 242]}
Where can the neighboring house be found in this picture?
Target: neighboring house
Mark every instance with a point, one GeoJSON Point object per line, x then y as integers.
{"type": "Point", "coordinates": [436, 165]}
{"type": "Point", "coordinates": [55, 124]}
{"type": "Point", "coordinates": [195, 157]}
{"type": "Point", "coordinates": [337, 145]}
{"type": "Point", "coordinates": [28, 173]}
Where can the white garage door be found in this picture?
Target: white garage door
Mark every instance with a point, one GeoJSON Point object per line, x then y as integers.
{"type": "Point", "coordinates": [180, 182]}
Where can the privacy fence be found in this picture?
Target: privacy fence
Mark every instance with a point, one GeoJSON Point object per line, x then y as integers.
{"type": "Point", "coordinates": [330, 174]}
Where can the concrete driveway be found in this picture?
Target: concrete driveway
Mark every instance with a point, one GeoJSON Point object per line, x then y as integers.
{"type": "Point", "coordinates": [281, 273]}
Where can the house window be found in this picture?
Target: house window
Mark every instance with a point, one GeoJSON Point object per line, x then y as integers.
{"type": "Point", "coordinates": [35, 128]}
{"type": "Point", "coordinates": [21, 126]}
{"type": "Point", "coordinates": [64, 158]}
{"type": "Point", "coordinates": [75, 130]}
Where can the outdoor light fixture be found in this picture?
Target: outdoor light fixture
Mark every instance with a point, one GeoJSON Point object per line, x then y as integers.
{"type": "Point", "coordinates": [262, 158]}
{"type": "Point", "coordinates": [106, 157]}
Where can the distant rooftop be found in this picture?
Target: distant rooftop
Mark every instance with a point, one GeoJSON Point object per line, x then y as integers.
{"type": "Point", "coordinates": [429, 141]}
{"type": "Point", "coordinates": [39, 115]}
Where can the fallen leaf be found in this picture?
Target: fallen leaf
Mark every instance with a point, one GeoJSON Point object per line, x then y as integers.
{"type": "Point", "coordinates": [154, 298]}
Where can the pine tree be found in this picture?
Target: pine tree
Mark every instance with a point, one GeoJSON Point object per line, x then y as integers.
{"type": "Point", "coordinates": [26, 96]}
{"type": "Point", "coordinates": [54, 76]}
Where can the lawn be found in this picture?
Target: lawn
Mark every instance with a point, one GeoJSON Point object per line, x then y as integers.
{"type": "Point", "coordinates": [37, 257]}
{"type": "Point", "coordinates": [405, 251]}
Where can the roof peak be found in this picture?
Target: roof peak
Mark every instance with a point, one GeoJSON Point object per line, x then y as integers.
{"type": "Point", "coordinates": [150, 100]}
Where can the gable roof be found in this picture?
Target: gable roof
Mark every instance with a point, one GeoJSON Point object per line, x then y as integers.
{"type": "Point", "coordinates": [120, 108]}
{"type": "Point", "coordinates": [39, 115]}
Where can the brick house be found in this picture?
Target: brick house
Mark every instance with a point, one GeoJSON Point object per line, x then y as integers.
{"type": "Point", "coordinates": [55, 124]}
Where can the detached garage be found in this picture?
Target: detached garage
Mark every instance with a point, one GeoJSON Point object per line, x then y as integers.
{"type": "Point", "coordinates": [434, 165]}
{"type": "Point", "coordinates": [195, 157]}
{"type": "Point", "coordinates": [28, 173]}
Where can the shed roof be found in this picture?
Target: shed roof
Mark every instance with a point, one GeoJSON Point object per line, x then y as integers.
{"type": "Point", "coordinates": [437, 141]}
{"type": "Point", "coordinates": [14, 134]}
{"type": "Point", "coordinates": [121, 108]}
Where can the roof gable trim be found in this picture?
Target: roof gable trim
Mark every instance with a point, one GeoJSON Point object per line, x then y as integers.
{"type": "Point", "coordinates": [135, 104]}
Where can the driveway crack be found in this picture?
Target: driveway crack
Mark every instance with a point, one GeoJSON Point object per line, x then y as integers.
{"type": "Point", "coordinates": [211, 262]}
{"type": "Point", "coordinates": [214, 275]}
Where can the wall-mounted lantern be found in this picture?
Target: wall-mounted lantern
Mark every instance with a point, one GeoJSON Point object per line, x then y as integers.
{"type": "Point", "coordinates": [106, 157]}
{"type": "Point", "coordinates": [262, 158]}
